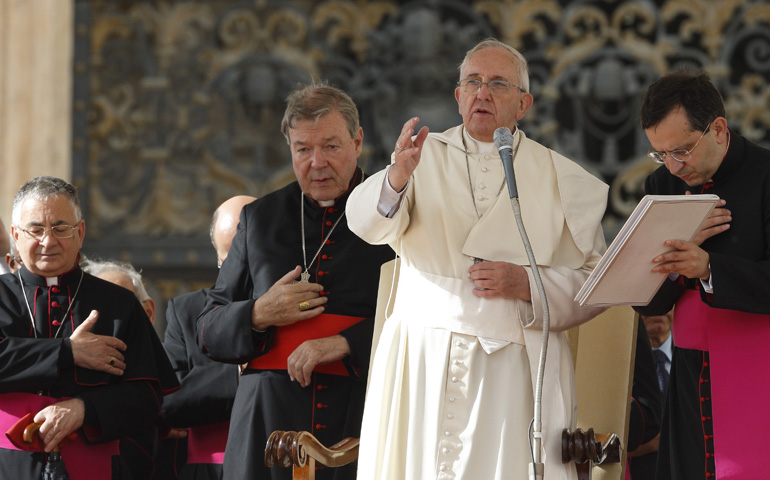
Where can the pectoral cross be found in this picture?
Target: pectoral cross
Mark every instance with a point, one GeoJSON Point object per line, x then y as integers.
{"type": "Point", "coordinates": [304, 277]}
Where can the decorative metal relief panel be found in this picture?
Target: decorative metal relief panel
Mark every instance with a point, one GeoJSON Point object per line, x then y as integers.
{"type": "Point", "coordinates": [178, 104]}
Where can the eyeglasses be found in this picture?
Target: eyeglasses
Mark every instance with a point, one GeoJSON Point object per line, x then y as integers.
{"type": "Point", "coordinates": [58, 231]}
{"type": "Point", "coordinates": [678, 155]}
{"type": "Point", "coordinates": [495, 87]}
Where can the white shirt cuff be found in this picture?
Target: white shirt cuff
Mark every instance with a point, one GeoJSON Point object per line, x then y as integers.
{"type": "Point", "coordinates": [707, 286]}
{"type": "Point", "coordinates": [390, 199]}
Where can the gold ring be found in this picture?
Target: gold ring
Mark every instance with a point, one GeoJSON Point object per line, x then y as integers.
{"type": "Point", "coordinates": [303, 306]}
{"type": "Point", "coordinates": [112, 361]}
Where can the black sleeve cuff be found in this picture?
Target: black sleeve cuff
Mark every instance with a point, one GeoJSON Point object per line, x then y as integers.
{"type": "Point", "coordinates": [66, 359]}
{"type": "Point", "coordinates": [359, 337]}
{"type": "Point", "coordinates": [89, 418]}
{"type": "Point", "coordinates": [664, 299]}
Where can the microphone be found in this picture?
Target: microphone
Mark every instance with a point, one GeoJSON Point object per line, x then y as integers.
{"type": "Point", "coordinates": [503, 140]}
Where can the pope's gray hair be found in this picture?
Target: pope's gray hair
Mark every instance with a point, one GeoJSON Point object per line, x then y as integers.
{"type": "Point", "coordinates": [521, 64]}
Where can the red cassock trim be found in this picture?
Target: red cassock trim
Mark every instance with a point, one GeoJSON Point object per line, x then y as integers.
{"type": "Point", "coordinates": [287, 338]}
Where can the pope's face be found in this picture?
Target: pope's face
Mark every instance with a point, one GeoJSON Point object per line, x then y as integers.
{"type": "Point", "coordinates": [483, 112]}
{"type": "Point", "coordinates": [49, 256]}
{"type": "Point", "coordinates": [324, 155]}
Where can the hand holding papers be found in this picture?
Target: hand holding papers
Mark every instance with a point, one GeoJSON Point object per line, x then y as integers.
{"type": "Point", "coordinates": [623, 275]}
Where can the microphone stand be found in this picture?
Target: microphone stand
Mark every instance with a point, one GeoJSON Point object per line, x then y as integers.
{"type": "Point", "coordinates": [504, 146]}
{"type": "Point", "coordinates": [536, 467]}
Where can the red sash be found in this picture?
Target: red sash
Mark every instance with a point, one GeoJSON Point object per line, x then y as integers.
{"type": "Point", "coordinates": [289, 337]}
{"type": "Point", "coordinates": [206, 443]}
{"type": "Point", "coordinates": [739, 349]}
{"type": "Point", "coordinates": [83, 461]}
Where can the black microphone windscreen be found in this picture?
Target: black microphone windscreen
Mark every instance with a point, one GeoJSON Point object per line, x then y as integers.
{"type": "Point", "coordinates": [503, 138]}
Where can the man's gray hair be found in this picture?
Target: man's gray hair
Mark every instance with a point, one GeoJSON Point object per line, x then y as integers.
{"type": "Point", "coordinates": [42, 188]}
{"type": "Point", "coordinates": [311, 102]}
{"type": "Point", "coordinates": [522, 68]}
{"type": "Point", "coordinates": [98, 267]}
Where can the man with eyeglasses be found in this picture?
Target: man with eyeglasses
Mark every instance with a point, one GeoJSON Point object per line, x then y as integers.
{"type": "Point", "coordinates": [296, 296]}
{"type": "Point", "coordinates": [77, 354]}
{"type": "Point", "coordinates": [716, 406]}
{"type": "Point", "coordinates": [451, 393]}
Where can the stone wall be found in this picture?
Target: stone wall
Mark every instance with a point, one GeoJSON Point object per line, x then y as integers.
{"type": "Point", "coordinates": [35, 93]}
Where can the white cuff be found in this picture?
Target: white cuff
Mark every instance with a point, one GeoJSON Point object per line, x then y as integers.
{"type": "Point", "coordinates": [390, 199]}
{"type": "Point", "coordinates": [707, 286]}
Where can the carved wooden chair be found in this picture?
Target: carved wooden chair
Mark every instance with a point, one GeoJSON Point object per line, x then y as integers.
{"type": "Point", "coordinates": [603, 351]}
{"type": "Point", "coordinates": [300, 451]}
{"type": "Point", "coordinates": [603, 354]}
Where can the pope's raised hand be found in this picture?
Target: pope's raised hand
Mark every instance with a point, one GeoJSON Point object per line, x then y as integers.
{"type": "Point", "coordinates": [407, 154]}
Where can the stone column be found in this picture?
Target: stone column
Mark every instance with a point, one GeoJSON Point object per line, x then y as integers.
{"type": "Point", "coordinates": [36, 38]}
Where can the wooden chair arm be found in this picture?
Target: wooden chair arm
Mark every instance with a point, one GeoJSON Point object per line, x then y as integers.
{"type": "Point", "coordinates": [292, 449]}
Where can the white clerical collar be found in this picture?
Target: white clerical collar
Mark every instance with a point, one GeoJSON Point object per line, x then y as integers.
{"type": "Point", "coordinates": [52, 281]}
{"type": "Point", "coordinates": [484, 147]}
{"type": "Point", "coordinates": [326, 203]}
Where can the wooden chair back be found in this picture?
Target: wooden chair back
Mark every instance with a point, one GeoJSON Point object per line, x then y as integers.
{"type": "Point", "coordinates": [603, 352]}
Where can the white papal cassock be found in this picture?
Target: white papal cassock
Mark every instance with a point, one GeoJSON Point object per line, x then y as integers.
{"type": "Point", "coordinates": [451, 385]}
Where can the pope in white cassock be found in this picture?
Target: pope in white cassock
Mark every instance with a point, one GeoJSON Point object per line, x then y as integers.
{"type": "Point", "coordinates": [452, 380]}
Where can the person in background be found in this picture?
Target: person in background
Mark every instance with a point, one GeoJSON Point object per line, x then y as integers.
{"type": "Point", "coordinates": [125, 275]}
{"type": "Point", "coordinates": [205, 401]}
{"type": "Point", "coordinates": [646, 411]}
{"type": "Point", "coordinates": [451, 393]}
{"type": "Point", "coordinates": [77, 354]}
{"type": "Point", "coordinates": [659, 332]}
{"type": "Point", "coordinates": [716, 412]}
{"type": "Point", "coordinates": [138, 450]}
{"type": "Point", "coordinates": [5, 247]}
{"type": "Point", "coordinates": [12, 258]}
{"type": "Point", "coordinates": [296, 297]}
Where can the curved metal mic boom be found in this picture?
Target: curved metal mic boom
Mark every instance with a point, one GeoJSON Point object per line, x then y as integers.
{"type": "Point", "coordinates": [503, 140]}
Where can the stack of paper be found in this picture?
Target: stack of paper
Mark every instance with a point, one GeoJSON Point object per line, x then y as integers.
{"type": "Point", "coordinates": [624, 274]}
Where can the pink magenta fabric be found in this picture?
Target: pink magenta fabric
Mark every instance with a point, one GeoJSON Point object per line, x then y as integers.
{"type": "Point", "coordinates": [739, 349]}
{"type": "Point", "coordinates": [206, 443]}
{"type": "Point", "coordinates": [83, 461]}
